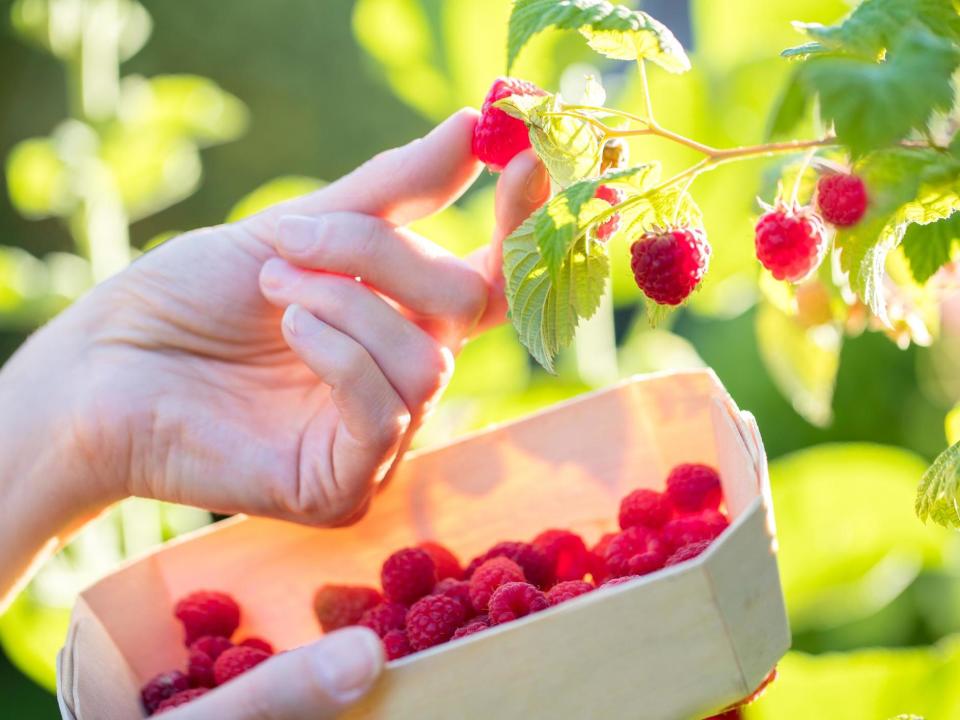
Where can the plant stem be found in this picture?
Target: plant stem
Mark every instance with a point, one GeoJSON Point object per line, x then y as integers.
{"type": "Point", "coordinates": [645, 88]}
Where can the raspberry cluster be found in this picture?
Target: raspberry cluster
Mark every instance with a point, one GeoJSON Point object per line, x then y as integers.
{"type": "Point", "coordinates": [209, 621]}
{"type": "Point", "coordinates": [429, 597]}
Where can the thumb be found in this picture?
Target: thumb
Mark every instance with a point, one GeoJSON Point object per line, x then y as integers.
{"type": "Point", "coordinates": [318, 681]}
{"type": "Point", "coordinates": [523, 187]}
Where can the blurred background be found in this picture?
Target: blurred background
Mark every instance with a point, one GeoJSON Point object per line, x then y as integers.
{"type": "Point", "coordinates": [124, 122]}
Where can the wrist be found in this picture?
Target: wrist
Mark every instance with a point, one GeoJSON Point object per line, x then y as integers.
{"type": "Point", "coordinates": [50, 482]}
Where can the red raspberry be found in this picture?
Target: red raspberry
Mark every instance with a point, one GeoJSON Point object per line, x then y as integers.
{"type": "Point", "coordinates": [459, 590]}
{"type": "Point", "coordinates": [635, 551]}
{"type": "Point", "coordinates": [236, 661]}
{"type": "Point", "coordinates": [181, 698]}
{"type": "Point", "coordinates": [841, 199]}
{"type": "Point", "coordinates": [566, 552]}
{"type": "Point", "coordinates": [645, 508]}
{"type": "Point", "coordinates": [535, 565]}
{"type": "Point", "coordinates": [212, 645]}
{"type": "Point", "coordinates": [491, 575]}
{"type": "Point", "coordinates": [692, 487]}
{"type": "Point", "coordinates": [396, 644]}
{"type": "Point", "coordinates": [408, 575]}
{"type": "Point", "coordinates": [337, 606]}
{"type": "Point", "coordinates": [207, 613]}
{"type": "Point", "coordinates": [614, 196]}
{"type": "Point", "coordinates": [790, 242]}
{"type": "Point", "coordinates": [734, 714]}
{"type": "Point", "coordinates": [433, 620]}
{"type": "Point", "coordinates": [498, 137]}
{"type": "Point", "coordinates": [687, 552]}
{"type": "Point", "coordinates": [515, 600]}
{"type": "Point", "coordinates": [258, 643]}
{"type": "Point", "coordinates": [478, 624]}
{"type": "Point", "coordinates": [690, 529]}
{"type": "Point", "coordinates": [622, 580]}
{"type": "Point", "coordinates": [161, 687]}
{"type": "Point", "coordinates": [385, 617]}
{"type": "Point", "coordinates": [668, 265]}
{"type": "Point", "coordinates": [447, 564]}
{"type": "Point", "coordinates": [561, 592]}
{"type": "Point", "coordinates": [598, 563]}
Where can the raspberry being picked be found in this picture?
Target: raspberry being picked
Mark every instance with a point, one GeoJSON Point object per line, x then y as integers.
{"type": "Point", "coordinates": [791, 242]}
{"type": "Point", "coordinates": [841, 199]}
{"type": "Point", "coordinates": [668, 265]}
{"type": "Point", "coordinates": [499, 137]}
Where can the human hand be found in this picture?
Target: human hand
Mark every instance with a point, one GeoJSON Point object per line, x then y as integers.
{"type": "Point", "coordinates": [174, 380]}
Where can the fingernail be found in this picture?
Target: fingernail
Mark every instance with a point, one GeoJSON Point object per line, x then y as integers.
{"type": "Point", "coordinates": [297, 234]}
{"type": "Point", "coordinates": [349, 661]}
{"type": "Point", "coordinates": [275, 274]}
{"type": "Point", "coordinates": [538, 183]}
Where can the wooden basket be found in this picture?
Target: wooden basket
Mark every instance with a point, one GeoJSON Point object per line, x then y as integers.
{"type": "Point", "coordinates": [677, 644]}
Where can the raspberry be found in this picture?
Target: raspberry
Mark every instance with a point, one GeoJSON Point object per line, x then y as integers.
{"type": "Point", "coordinates": [790, 242]}
{"type": "Point", "coordinates": [491, 575]}
{"type": "Point", "coordinates": [408, 575]}
{"type": "Point", "coordinates": [535, 565]}
{"type": "Point", "coordinates": [211, 645]}
{"type": "Point", "coordinates": [459, 590]}
{"type": "Point", "coordinates": [565, 551]}
{"type": "Point", "coordinates": [616, 155]}
{"type": "Point", "coordinates": [447, 564]}
{"type": "Point", "coordinates": [645, 508]}
{"type": "Point", "coordinates": [561, 592]}
{"type": "Point", "coordinates": [258, 643]}
{"type": "Point", "coordinates": [734, 714]}
{"type": "Point", "coordinates": [181, 698]}
{"type": "Point", "coordinates": [668, 265]}
{"type": "Point", "coordinates": [478, 624]}
{"type": "Point", "coordinates": [433, 620]}
{"type": "Point", "coordinates": [200, 669]}
{"type": "Point", "coordinates": [690, 529]}
{"type": "Point", "coordinates": [236, 661]}
{"type": "Point", "coordinates": [687, 552]}
{"type": "Point", "coordinates": [498, 137]}
{"type": "Point", "coordinates": [384, 617]}
{"type": "Point", "coordinates": [694, 487]}
{"type": "Point", "coordinates": [614, 196]}
{"type": "Point", "coordinates": [598, 563]}
{"type": "Point", "coordinates": [207, 613]}
{"type": "Point", "coordinates": [841, 199]}
{"type": "Point", "coordinates": [622, 580]}
{"type": "Point", "coordinates": [515, 600]}
{"type": "Point", "coordinates": [161, 687]}
{"type": "Point", "coordinates": [396, 644]}
{"type": "Point", "coordinates": [337, 606]}
{"type": "Point", "coordinates": [635, 551]}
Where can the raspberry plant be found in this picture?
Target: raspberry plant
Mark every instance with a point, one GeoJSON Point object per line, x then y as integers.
{"type": "Point", "coordinates": [878, 86]}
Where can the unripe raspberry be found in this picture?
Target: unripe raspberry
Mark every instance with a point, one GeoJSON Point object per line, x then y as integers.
{"type": "Point", "coordinates": [790, 242]}
{"type": "Point", "coordinates": [668, 265]}
{"type": "Point", "coordinates": [499, 137]}
{"type": "Point", "coordinates": [842, 199]}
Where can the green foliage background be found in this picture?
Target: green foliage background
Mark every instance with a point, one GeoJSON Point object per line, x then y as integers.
{"type": "Point", "coordinates": [874, 596]}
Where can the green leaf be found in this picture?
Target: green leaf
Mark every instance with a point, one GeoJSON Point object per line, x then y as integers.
{"type": "Point", "coordinates": [938, 497]}
{"type": "Point", "coordinates": [612, 30]}
{"type": "Point", "coordinates": [930, 247]}
{"type": "Point", "coordinates": [545, 311]}
{"type": "Point", "coordinates": [569, 147]}
{"type": "Point", "coordinates": [872, 105]}
{"type": "Point", "coordinates": [875, 25]}
{"type": "Point", "coordinates": [894, 179]}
